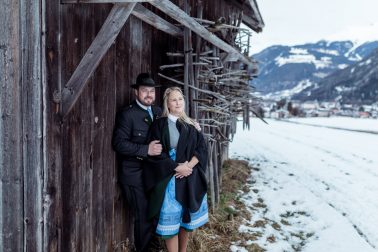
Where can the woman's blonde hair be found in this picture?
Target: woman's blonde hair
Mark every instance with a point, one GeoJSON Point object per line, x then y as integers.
{"type": "Point", "coordinates": [183, 117]}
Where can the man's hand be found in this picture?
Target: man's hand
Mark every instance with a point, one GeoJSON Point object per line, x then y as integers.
{"type": "Point", "coordinates": [183, 170]}
{"type": "Point", "coordinates": [197, 126]}
{"type": "Point", "coordinates": [154, 148]}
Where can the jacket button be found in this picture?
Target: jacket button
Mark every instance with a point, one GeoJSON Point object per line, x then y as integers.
{"type": "Point", "coordinates": [139, 134]}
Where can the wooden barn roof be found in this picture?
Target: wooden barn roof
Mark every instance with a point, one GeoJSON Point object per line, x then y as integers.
{"type": "Point", "coordinates": [257, 22]}
{"type": "Point", "coordinates": [252, 16]}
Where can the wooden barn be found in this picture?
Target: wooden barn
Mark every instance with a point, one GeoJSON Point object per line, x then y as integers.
{"type": "Point", "coordinates": [66, 67]}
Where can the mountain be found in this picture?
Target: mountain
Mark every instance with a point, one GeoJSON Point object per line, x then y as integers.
{"type": "Point", "coordinates": [356, 84]}
{"type": "Point", "coordinates": [287, 70]}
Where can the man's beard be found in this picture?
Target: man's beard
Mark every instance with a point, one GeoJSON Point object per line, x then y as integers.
{"type": "Point", "coordinates": [148, 101]}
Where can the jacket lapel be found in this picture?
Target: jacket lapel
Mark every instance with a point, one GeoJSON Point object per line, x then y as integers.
{"type": "Point", "coordinates": [148, 120]}
{"type": "Point", "coordinates": [154, 113]}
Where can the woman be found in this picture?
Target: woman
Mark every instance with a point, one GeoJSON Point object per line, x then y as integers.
{"type": "Point", "coordinates": [176, 180]}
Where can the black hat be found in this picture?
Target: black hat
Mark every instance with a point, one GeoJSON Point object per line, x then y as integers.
{"type": "Point", "coordinates": [144, 79]}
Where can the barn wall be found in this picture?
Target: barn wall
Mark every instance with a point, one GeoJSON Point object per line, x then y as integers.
{"type": "Point", "coordinates": [88, 212]}
{"type": "Point", "coordinates": [58, 176]}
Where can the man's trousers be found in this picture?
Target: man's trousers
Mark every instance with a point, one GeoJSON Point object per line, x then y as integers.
{"type": "Point", "coordinates": [137, 201]}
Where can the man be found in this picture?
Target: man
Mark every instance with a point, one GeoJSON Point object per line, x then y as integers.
{"type": "Point", "coordinates": [129, 141]}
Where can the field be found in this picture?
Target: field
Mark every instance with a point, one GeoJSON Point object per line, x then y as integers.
{"type": "Point", "coordinates": [312, 188]}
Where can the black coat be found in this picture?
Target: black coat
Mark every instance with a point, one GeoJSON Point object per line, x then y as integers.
{"type": "Point", "coordinates": [159, 169]}
{"type": "Point", "coordinates": [130, 141]}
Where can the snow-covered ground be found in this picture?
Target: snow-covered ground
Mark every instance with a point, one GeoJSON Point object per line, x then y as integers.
{"type": "Point", "coordinates": [358, 124]}
{"type": "Point", "coordinates": [312, 188]}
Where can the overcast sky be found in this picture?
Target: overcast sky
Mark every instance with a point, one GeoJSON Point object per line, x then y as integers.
{"type": "Point", "coordinates": [291, 22]}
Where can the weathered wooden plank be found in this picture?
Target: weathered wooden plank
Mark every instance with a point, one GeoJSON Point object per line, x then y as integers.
{"type": "Point", "coordinates": [72, 48]}
{"type": "Point", "coordinates": [104, 175]}
{"type": "Point", "coordinates": [101, 154]}
{"type": "Point", "coordinates": [70, 182]}
{"type": "Point", "coordinates": [159, 23]}
{"type": "Point", "coordinates": [179, 15]}
{"type": "Point", "coordinates": [217, 167]}
{"type": "Point", "coordinates": [11, 163]}
{"type": "Point", "coordinates": [104, 1]}
{"type": "Point", "coordinates": [211, 174]}
{"type": "Point", "coordinates": [135, 51]}
{"type": "Point", "coordinates": [187, 54]}
{"type": "Point", "coordinates": [122, 66]}
{"type": "Point", "coordinates": [52, 218]}
{"type": "Point", "coordinates": [32, 112]}
{"type": "Point", "coordinates": [104, 39]}
{"type": "Point", "coordinates": [86, 215]}
{"type": "Point", "coordinates": [121, 214]}
{"type": "Point", "coordinates": [147, 43]}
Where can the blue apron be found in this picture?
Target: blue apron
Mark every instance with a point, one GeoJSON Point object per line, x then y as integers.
{"type": "Point", "coordinates": [170, 219]}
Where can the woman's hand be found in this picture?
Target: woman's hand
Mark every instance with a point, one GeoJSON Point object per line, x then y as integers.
{"type": "Point", "coordinates": [183, 170]}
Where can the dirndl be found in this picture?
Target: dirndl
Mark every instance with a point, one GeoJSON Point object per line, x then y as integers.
{"type": "Point", "coordinates": [171, 213]}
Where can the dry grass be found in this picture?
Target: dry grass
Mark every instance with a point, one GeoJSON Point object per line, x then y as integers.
{"type": "Point", "coordinates": [223, 226]}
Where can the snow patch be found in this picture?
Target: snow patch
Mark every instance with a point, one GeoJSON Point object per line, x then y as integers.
{"type": "Point", "coordinates": [235, 248]}
{"type": "Point", "coordinates": [342, 66]}
{"type": "Point", "coordinates": [304, 58]}
{"type": "Point", "coordinates": [320, 74]}
{"type": "Point", "coordinates": [325, 51]}
{"type": "Point", "coordinates": [364, 63]}
{"type": "Point", "coordinates": [355, 57]}
{"type": "Point", "coordinates": [296, 50]}
{"type": "Point", "coordinates": [301, 56]}
{"type": "Point", "coordinates": [341, 89]}
{"type": "Point", "coordinates": [302, 85]}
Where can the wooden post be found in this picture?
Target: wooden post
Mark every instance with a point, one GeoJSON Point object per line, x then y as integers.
{"type": "Point", "coordinates": [211, 174]}
{"type": "Point", "coordinates": [197, 68]}
{"type": "Point", "coordinates": [11, 134]}
{"type": "Point", "coordinates": [187, 37]}
{"type": "Point", "coordinates": [216, 168]}
{"type": "Point", "coordinates": [32, 114]}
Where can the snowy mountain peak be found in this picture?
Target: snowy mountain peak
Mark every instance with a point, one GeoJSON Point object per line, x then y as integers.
{"type": "Point", "coordinates": [356, 84]}
{"type": "Point", "coordinates": [283, 69]}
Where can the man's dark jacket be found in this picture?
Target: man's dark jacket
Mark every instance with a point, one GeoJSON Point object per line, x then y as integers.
{"type": "Point", "coordinates": [158, 170]}
{"type": "Point", "coordinates": [130, 141]}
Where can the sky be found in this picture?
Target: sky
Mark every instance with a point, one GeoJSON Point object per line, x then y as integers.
{"type": "Point", "coordinates": [292, 22]}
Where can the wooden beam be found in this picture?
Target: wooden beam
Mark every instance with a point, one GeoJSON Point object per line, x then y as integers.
{"type": "Point", "coordinates": [180, 16]}
{"type": "Point", "coordinates": [256, 13]}
{"type": "Point", "coordinates": [154, 20]}
{"type": "Point", "coordinates": [96, 51]}
{"type": "Point", "coordinates": [103, 1]}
